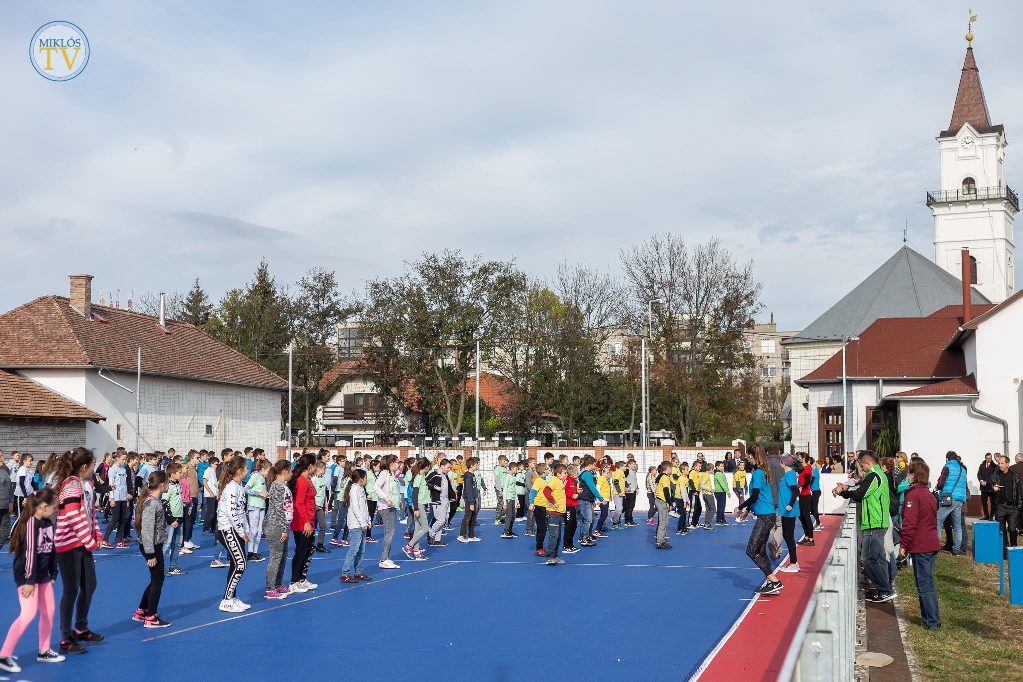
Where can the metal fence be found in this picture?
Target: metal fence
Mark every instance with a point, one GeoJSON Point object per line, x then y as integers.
{"type": "Point", "coordinates": [824, 648]}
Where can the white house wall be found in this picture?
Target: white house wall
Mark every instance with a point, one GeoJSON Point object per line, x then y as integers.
{"type": "Point", "coordinates": [175, 412]}
{"type": "Point", "coordinates": [995, 351]}
{"type": "Point", "coordinates": [932, 428]}
{"type": "Point", "coordinates": [803, 359]}
{"type": "Point", "coordinates": [862, 394]}
{"type": "Point", "coordinates": [67, 382]}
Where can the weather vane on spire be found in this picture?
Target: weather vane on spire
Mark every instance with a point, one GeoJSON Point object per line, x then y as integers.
{"type": "Point", "coordinates": [969, 29]}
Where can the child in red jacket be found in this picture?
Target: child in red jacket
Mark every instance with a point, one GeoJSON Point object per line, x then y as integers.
{"type": "Point", "coordinates": [920, 539]}
{"type": "Point", "coordinates": [302, 523]}
{"type": "Point", "coordinates": [572, 511]}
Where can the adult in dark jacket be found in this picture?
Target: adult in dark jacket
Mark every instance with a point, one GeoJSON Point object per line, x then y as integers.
{"type": "Point", "coordinates": [6, 503]}
{"type": "Point", "coordinates": [987, 467]}
{"type": "Point", "coordinates": [1007, 497]}
{"type": "Point", "coordinates": [920, 539]}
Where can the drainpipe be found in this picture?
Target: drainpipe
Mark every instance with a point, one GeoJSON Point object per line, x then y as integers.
{"type": "Point", "coordinates": [981, 414]}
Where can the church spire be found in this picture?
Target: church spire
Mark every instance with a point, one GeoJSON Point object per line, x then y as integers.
{"type": "Point", "coordinates": [970, 107]}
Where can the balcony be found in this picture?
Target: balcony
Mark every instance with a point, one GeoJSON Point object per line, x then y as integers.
{"type": "Point", "coordinates": [973, 194]}
{"type": "Point", "coordinates": [341, 415]}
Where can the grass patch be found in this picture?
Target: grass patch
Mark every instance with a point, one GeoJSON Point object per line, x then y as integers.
{"type": "Point", "coordinates": [979, 639]}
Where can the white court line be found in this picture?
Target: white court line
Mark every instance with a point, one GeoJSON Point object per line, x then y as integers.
{"type": "Point", "coordinates": [570, 563]}
{"type": "Point", "coordinates": [295, 603]}
{"type": "Point", "coordinates": [728, 635]}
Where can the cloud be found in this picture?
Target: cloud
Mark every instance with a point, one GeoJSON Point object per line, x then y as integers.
{"type": "Point", "coordinates": [199, 140]}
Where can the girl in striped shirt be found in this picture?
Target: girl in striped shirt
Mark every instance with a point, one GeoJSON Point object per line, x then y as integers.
{"type": "Point", "coordinates": [77, 535]}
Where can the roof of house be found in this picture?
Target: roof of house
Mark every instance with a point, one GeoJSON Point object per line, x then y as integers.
{"type": "Point", "coordinates": [25, 399]}
{"type": "Point", "coordinates": [346, 369]}
{"type": "Point", "coordinates": [906, 285]}
{"type": "Point", "coordinates": [906, 347]}
{"type": "Point", "coordinates": [48, 332]}
{"type": "Point", "coordinates": [960, 386]}
{"type": "Point", "coordinates": [970, 106]}
{"type": "Point", "coordinates": [495, 390]}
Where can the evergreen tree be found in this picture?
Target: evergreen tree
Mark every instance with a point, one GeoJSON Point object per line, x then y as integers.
{"type": "Point", "coordinates": [196, 309]}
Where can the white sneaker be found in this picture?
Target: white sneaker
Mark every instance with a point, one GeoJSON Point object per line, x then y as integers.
{"type": "Point", "coordinates": [190, 545]}
{"type": "Point", "coordinates": [474, 539]}
{"type": "Point", "coordinates": [791, 568]}
{"type": "Point", "coordinates": [298, 588]}
{"type": "Point", "coordinates": [462, 539]}
{"type": "Point", "coordinates": [230, 606]}
{"type": "Point", "coordinates": [308, 585]}
{"type": "Point", "coordinates": [242, 605]}
{"type": "Point", "coordinates": [388, 564]}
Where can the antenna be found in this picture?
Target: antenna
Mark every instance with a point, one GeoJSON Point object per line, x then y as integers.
{"type": "Point", "coordinates": [905, 233]}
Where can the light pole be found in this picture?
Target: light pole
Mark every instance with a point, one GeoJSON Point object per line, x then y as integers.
{"type": "Point", "coordinates": [291, 355]}
{"type": "Point", "coordinates": [845, 399]}
{"type": "Point", "coordinates": [477, 442]}
{"type": "Point", "coordinates": [645, 396]}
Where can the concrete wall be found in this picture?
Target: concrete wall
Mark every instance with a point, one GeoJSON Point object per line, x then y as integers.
{"type": "Point", "coordinates": [174, 412]}
{"type": "Point", "coordinates": [40, 438]}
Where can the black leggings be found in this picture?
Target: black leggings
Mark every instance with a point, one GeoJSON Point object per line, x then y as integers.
{"type": "Point", "coordinates": [804, 516]}
{"type": "Point", "coordinates": [540, 516]}
{"type": "Point", "coordinates": [77, 571]}
{"type": "Point", "coordinates": [118, 521]}
{"type": "Point", "coordinates": [372, 512]}
{"type": "Point", "coordinates": [235, 546]}
{"type": "Point", "coordinates": [150, 602]}
{"type": "Point", "coordinates": [756, 548]}
{"type": "Point", "coordinates": [629, 506]}
{"type": "Point", "coordinates": [571, 521]}
{"type": "Point", "coordinates": [303, 555]}
{"type": "Point", "coordinates": [788, 531]}
{"type": "Point", "coordinates": [815, 506]}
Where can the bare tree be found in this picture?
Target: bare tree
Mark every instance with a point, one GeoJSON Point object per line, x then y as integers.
{"type": "Point", "coordinates": [701, 377]}
{"type": "Point", "coordinates": [149, 303]}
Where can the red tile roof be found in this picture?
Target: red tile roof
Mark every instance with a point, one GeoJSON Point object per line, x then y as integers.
{"type": "Point", "coordinates": [964, 386]}
{"type": "Point", "coordinates": [346, 368]}
{"type": "Point", "coordinates": [976, 309]}
{"type": "Point", "coordinates": [25, 399]}
{"type": "Point", "coordinates": [898, 347]}
{"type": "Point", "coordinates": [48, 332]}
{"type": "Point", "coordinates": [970, 106]}
{"type": "Point", "coordinates": [495, 390]}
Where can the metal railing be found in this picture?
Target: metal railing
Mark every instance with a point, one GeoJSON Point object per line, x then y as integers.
{"type": "Point", "coordinates": [824, 648]}
{"type": "Point", "coordinates": [945, 196]}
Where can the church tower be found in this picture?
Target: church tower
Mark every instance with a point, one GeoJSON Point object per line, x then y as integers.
{"type": "Point", "coordinates": [974, 208]}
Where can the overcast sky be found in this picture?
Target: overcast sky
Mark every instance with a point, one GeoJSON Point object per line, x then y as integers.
{"type": "Point", "coordinates": [204, 136]}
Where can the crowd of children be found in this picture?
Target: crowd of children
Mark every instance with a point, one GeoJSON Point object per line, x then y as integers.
{"type": "Point", "coordinates": [241, 498]}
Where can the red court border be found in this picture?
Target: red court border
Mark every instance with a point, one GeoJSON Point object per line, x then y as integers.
{"type": "Point", "coordinates": [755, 649]}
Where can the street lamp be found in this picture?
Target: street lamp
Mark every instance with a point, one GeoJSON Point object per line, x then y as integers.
{"type": "Point", "coordinates": [645, 410]}
{"type": "Point", "coordinates": [845, 399]}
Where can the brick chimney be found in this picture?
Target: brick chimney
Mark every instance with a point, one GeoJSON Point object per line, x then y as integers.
{"type": "Point", "coordinates": [81, 294]}
{"type": "Point", "coordinates": [966, 286]}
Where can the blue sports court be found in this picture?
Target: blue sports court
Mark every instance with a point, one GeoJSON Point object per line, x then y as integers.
{"type": "Point", "coordinates": [480, 611]}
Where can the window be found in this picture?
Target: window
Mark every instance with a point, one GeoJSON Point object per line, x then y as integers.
{"type": "Point", "coordinates": [119, 429]}
{"type": "Point", "coordinates": [767, 346]}
{"type": "Point", "coordinates": [831, 431]}
{"type": "Point", "coordinates": [769, 370]}
{"type": "Point", "coordinates": [616, 348]}
{"type": "Point", "coordinates": [349, 343]}
{"type": "Point", "coordinates": [360, 399]}
{"type": "Point", "coordinates": [973, 270]}
{"type": "Point", "coordinates": [969, 187]}
{"type": "Point", "coordinates": [770, 392]}
{"type": "Point", "coordinates": [786, 369]}
{"type": "Point", "coordinates": [747, 345]}
{"type": "Point", "coordinates": [209, 429]}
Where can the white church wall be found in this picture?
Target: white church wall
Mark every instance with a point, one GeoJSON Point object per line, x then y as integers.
{"type": "Point", "coordinates": [932, 428]}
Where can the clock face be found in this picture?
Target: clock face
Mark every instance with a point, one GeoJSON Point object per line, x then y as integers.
{"type": "Point", "coordinates": [968, 144]}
